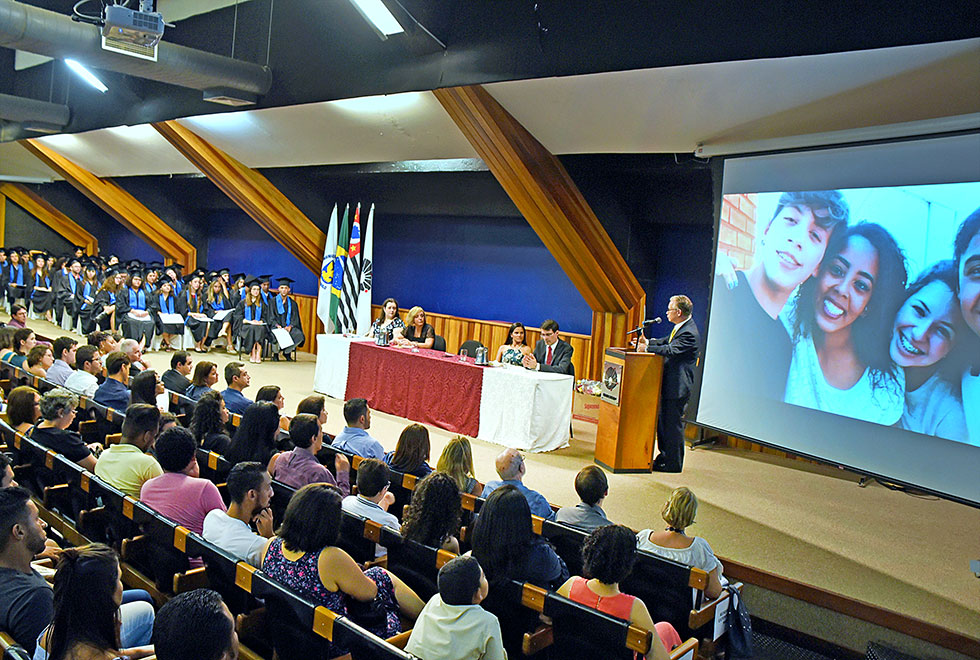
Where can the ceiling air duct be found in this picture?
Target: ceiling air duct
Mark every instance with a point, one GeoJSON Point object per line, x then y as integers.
{"type": "Point", "coordinates": [222, 79]}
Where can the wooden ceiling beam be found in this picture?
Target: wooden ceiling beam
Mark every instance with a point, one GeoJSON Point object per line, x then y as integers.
{"type": "Point", "coordinates": [114, 200]}
{"type": "Point", "coordinates": [548, 198]}
{"type": "Point", "coordinates": [252, 192]}
{"type": "Point", "coordinates": [47, 214]}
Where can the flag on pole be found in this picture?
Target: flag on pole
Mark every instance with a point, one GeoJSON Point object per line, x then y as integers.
{"type": "Point", "coordinates": [326, 273]}
{"type": "Point", "coordinates": [339, 264]}
{"type": "Point", "coordinates": [363, 314]}
{"type": "Point", "coordinates": [352, 277]}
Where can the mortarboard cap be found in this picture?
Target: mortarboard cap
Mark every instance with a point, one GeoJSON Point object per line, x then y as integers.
{"type": "Point", "coordinates": [288, 281]}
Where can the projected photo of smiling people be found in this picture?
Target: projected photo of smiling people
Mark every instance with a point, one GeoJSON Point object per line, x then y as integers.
{"type": "Point", "coordinates": [788, 251]}
{"type": "Point", "coordinates": [841, 323]}
{"type": "Point", "coordinates": [966, 251]}
{"type": "Point", "coordinates": [926, 330]}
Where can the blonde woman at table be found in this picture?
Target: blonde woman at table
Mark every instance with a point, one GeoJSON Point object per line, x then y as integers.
{"type": "Point", "coordinates": [416, 330]}
{"type": "Point", "coordinates": [516, 348]}
{"type": "Point", "coordinates": [389, 319]}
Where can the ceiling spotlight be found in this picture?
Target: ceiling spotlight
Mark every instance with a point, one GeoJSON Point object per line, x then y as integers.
{"type": "Point", "coordinates": [86, 75]}
{"type": "Point", "coordinates": [380, 18]}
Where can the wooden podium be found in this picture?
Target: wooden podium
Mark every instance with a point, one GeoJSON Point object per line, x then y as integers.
{"type": "Point", "coordinates": [628, 410]}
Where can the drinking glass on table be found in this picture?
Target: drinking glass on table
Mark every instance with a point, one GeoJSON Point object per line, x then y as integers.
{"type": "Point", "coordinates": [463, 354]}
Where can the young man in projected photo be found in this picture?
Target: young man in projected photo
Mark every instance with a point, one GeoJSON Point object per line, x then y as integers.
{"type": "Point", "coordinates": [840, 324]}
{"type": "Point", "coordinates": [789, 251]}
{"type": "Point", "coordinates": [966, 252]}
{"type": "Point", "coordinates": [927, 327]}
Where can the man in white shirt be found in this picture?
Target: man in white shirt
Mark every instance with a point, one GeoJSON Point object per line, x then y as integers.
{"type": "Point", "coordinates": [88, 363]}
{"type": "Point", "coordinates": [373, 499]}
{"type": "Point", "coordinates": [250, 489]}
{"type": "Point", "coordinates": [452, 625]}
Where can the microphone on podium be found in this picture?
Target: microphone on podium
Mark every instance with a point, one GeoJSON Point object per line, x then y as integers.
{"type": "Point", "coordinates": [642, 325]}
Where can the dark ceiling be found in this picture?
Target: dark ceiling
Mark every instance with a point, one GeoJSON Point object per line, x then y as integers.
{"type": "Point", "coordinates": [321, 51]}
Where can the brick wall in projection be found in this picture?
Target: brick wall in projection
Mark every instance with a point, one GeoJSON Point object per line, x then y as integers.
{"type": "Point", "coordinates": [738, 228]}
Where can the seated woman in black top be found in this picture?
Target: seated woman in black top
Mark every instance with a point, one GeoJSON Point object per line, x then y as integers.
{"type": "Point", "coordinates": [416, 330]}
{"type": "Point", "coordinates": [208, 422]}
{"type": "Point", "coordinates": [57, 413]}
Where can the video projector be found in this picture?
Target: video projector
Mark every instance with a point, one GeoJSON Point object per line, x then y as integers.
{"type": "Point", "coordinates": [142, 28]}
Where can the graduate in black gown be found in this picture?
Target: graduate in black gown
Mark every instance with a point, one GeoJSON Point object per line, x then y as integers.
{"type": "Point", "coordinates": [85, 297]}
{"type": "Point", "coordinates": [39, 289]}
{"type": "Point", "coordinates": [163, 301]}
{"type": "Point", "coordinates": [66, 309]}
{"type": "Point", "coordinates": [285, 314]}
{"type": "Point", "coordinates": [251, 321]}
{"type": "Point", "coordinates": [218, 301]}
{"type": "Point", "coordinates": [17, 278]}
{"type": "Point", "coordinates": [196, 310]}
{"type": "Point", "coordinates": [133, 310]}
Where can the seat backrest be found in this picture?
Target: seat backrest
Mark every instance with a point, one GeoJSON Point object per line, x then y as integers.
{"type": "Point", "coordinates": [581, 631]}
{"type": "Point", "coordinates": [439, 344]}
{"type": "Point", "coordinates": [568, 544]}
{"type": "Point", "coordinates": [470, 346]}
{"type": "Point", "coordinates": [665, 586]}
{"type": "Point", "coordinates": [416, 564]}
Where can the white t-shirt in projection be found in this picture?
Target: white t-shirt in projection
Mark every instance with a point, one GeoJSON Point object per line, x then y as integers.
{"type": "Point", "coordinates": [933, 409]}
{"type": "Point", "coordinates": [807, 387]}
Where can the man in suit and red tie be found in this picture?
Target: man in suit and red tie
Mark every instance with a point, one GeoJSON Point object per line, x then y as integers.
{"type": "Point", "coordinates": [551, 353]}
{"type": "Point", "coordinates": [680, 353]}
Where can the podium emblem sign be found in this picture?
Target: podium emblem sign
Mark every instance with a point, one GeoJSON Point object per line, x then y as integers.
{"type": "Point", "coordinates": [612, 380]}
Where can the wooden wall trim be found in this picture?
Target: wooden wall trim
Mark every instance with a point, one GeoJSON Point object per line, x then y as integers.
{"type": "Point", "coordinates": [47, 214]}
{"type": "Point", "coordinates": [114, 200]}
{"type": "Point", "coordinates": [252, 192]}
{"type": "Point", "coordinates": [853, 607]}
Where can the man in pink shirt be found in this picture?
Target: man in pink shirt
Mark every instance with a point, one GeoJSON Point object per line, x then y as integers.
{"type": "Point", "coordinates": [178, 493]}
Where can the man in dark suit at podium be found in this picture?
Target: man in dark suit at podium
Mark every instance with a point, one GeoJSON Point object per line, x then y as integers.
{"type": "Point", "coordinates": [551, 353]}
{"type": "Point", "coordinates": [680, 353]}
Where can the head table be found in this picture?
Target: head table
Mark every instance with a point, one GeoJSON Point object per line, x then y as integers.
{"type": "Point", "coordinates": [502, 404]}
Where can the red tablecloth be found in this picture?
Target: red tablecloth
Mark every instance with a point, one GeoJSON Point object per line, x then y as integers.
{"type": "Point", "coordinates": [428, 386]}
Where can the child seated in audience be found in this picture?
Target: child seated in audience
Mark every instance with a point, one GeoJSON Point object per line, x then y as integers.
{"type": "Point", "coordinates": [609, 555]}
{"type": "Point", "coordinates": [304, 557]}
{"type": "Point", "coordinates": [432, 518]}
{"type": "Point", "coordinates": [411, 454]}
{"type": "Point", "coordinates": [452, 625]}
{"type": "Point", "coordinates": [679, 512]}
{"type": "Point", "coordinates": [202, 611]}
{"type": "Point", "coordinates": [373, 499]}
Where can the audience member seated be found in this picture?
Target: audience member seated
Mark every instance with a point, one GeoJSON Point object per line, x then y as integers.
{"type": "Point", "coordinates": [416, 331]}
{"type": "Point", "coordinates": [516, 348]}
{"type": "Point", "coordinates": [18, 316]}
{"type": "Point", "coordinates": [91, 621]}
{"type": "Point", "coordinates": [238, 379]}
{"type": "Point", "coordinates": [131, 349]}
{"type": "Point", "coordinates": [304, 557]}
{"type": "Point", "coordinates": [6, 472]}
{"type": "Point", "coordinates": [24, 341]}
{"type": "Point", "coordinates": [25, 598]}
{"type": "Point", "coordinates": [373, 499]}
{"type": "Point", "coordinates": [202, 611]}
{"type": "Point", "coordinates": [316, 405]}
{"type": "Point", "coordinates": [255, 439]}
{"type": "Point", "coordinates": [272, 394]}
{"type": "Point", "coordinates": [205, 375]}
{"type": "Point", "coordinates": [354, 438]}
{"type": "Point", "coordinates": [679, 512]}
{"type": "Point", "coordinates": [452, 625]}
{"type": "Point", "coordinates": [23, 408]}
{"type": "Point", "coordinates": [609, 554]}
{"type": "Point", "coordinates": [456, 460]}
{"type": "Point", "coordinates": [179, 493]}
{"type": "Point", "coordinates": [208, 422]}
{"type": "Point", "coordinates": [64, 354]}
{"type": "Point", "coordinates": [39, 360]}
{"type": "Point", "coordinates": [127, 465]}
{"type": "Point", "coordinates": [507, 547]}
{"type": "Point", "coordinates": [176, 378]}
{"type": "Point", "coordinates": [511, 468]}
{"type": "Point", "coordinates": [592, 488]}
{"type": "Point", "coordinates": [58, 412]}
{"type": "Point", "coordinates": [411, 454]}
{"type": "Point", "coordinates": [250, 490]}
{"type": "Point", "coordinates": [146, 386]}
{"type": "Point", "coordinates": [6, 338]}
{"type": "Point", "coordinates": [300, 466]}
{"type": "Point", "coordinates": [168, 420]}
{"type": "Point", "coordinates": [107, 342]}
{"type": "Point", "coordinates": [84, 380]}
{"type": "Point", "coordinates": [113, 393]}
{"type": "Point", "coordinates": [432, 517]}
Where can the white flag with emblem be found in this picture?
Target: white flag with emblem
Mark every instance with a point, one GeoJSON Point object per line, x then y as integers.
{"type": "Point", "coordinates": [363, 315]}
{"type": "Point", "coordinates": [326, 273]}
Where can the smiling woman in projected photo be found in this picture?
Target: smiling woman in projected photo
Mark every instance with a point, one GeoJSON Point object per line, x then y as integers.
{"type": "Point", "coordinates": [927, 328]}
{"type": "Point", "coordinates": [840, 329]}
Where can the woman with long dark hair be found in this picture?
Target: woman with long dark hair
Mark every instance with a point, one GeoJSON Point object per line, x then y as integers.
{"type": "Point", "coordinates": [388, 321]}
{"type": "Point", "coordinates": [515, 348]}
{"type": "Point", "coordinates": [163, 301]}
{"type": "Point", "coordinates": [251, 321]}
{"type": "Point", "coordinates": [208, 422]}
{"type": "Point", "coordinates": [840, 328]}
{"type": "Point", "coordinates": [218, 303]}
{"type": "Point", "coordinates": [432, 517]}
{"type": "Point", "coordinates": [194, 306]}
{"type": "Point", "coordinates": [923, 341]}
{"type": "Point", "coordinates": [24, 341]}
{"type": "Point", "coordinates": [255, 439]}
{"type": "Point", "coordinates": [205, 375]}
{"type": "Point", "coordinates": [411, 454]}
{"type": "Point", "coordinates": [133, 310]}
{"type": "Point", "coordinates": [145, 387]}
{"type": "Point", "coordinates": [85, 299]}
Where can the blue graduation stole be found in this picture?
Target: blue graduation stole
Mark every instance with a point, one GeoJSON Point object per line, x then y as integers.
{"type": "Point", "coordinates": [137, 299]}
{"type": "Point", "coordinates": [112, 298]}
{"type": "Point", "coordinates": [166, 304]}
{"type": "Point", "coordinates": [178, 287]}
{"type": "Point", "coordinates": [17, 278]}
{"type": "Point", "coordinates": [241, 293]}
{"type": "Point", "coordinates": [86, 294]}
{"type": "Point", "coordinates": [288, 311]}
{"type": "Point", "coordinates": [249, 313]}
{"type": "Point", "coordinates": [265, 296]}
{"type": "Point", "coordinates": [193, 306]}
{"type": "Point", "coordinates": [37, 280]}
{"type": "Point", "coordinates": [72, 284]}
{"type": "Point", "coordinates": [219, 303]}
